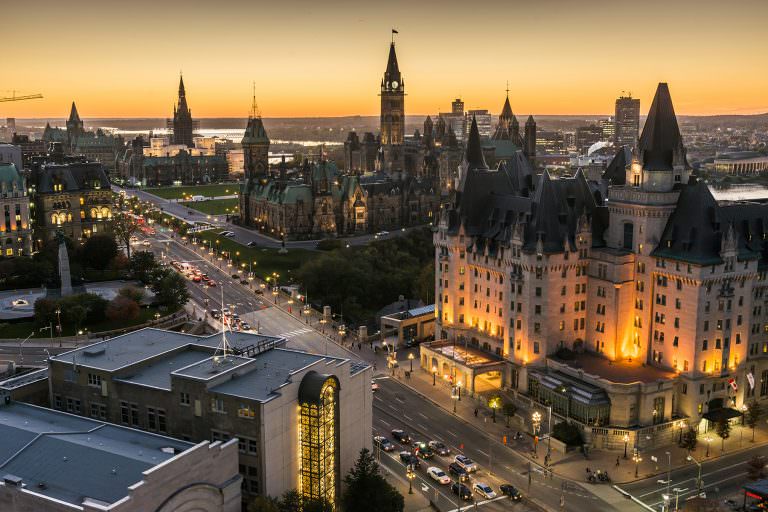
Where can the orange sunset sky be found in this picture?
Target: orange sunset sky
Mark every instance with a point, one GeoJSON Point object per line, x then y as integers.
{"type": "Point", "coordinates": [314, 58]}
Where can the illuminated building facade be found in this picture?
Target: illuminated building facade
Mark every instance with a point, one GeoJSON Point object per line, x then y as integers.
{"type": "Point", "coordinates": [633, 303]}
{"type": "Point", "coordinates": [15, 226]}
{"type": "Point", "coordinates": [626, 121]}
{"type": "Point", "coordinates": [301, 419]}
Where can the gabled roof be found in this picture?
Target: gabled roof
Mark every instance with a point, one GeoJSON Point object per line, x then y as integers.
{"type": "Point", "coordinates": [255, 133]}
{"type": "Point", "coordinates": [616, 173]}
{"type": "Point", "coordinates": [696, 229]}
{"type": "Point", "coordinates": [661, 145]}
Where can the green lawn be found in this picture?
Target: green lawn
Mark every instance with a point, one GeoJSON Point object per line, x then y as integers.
{"type": "Point", "coordinates": [23, 329]}
{"type": "Point", "coordinates": [214, 206]}
{"type": "Point", "coordinates": [223, 189]}
{"type": "Point", "coordinates": [267, 260]}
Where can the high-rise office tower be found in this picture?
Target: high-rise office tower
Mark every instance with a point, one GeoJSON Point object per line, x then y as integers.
{"type": "Point", "coordinates": [627, 120]}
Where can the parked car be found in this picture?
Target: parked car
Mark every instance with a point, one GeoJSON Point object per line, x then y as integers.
{"type": "Point", "coordinates": [439, 448]}
{"type": "Point", "coordinates": [215, 314]}
{"type": "Point", "coordinates": [257, 291]}
{"type": "Point", "coordinates": [465, 462]}
{"type": "Point", "coordinates": [401, 436]}
{"type": "Point", "coordinates": [511, 491]}
{"type": "Point", "coordinates": [251, 244]}
{"type": "Point", "coordinates": [484, 490]}
{"type": "Point", "coordinates": [438, 475]}
{"type": "Point", "coordinates": [409, 459]}
{"type": "Point", "coordinates": [374, 386]}
{"type": "Point", "coordinates": [383, 443]}
{"type": "Point", "coordinates": [462, 491]}
{"type": "Point", "coordinates": [245, 326]}
{"type": "Point", "coordinates": [235, 276]}
{"type": "Point", "coordinates": [458, 471]}
{"type": "Point", "coordinates": [244, 282]}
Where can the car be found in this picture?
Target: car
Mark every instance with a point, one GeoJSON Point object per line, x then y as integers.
{"type": "Point", "coordinates": [134, 239]}
{"type": "Point", "coordinates": [401, 436]}
{"type": "Point", "coordinates": [511, 491]}
{"type": "Point", "coordinates": [228, 234]}
{"type": "Point", "coordinates": [383, 443]}
{"type": "Point", "coordinates": [439, 448]}
{"type": "Point", "coordinates": [251, 244]}
{"type": "Point", "coordinates": [235, 276]}
{"type": "Point", "coordinates": [225, 311]}
{"type": "Point", "coordinates": [146, 243]}
{"type": "Point", "coordinates": [465, 462]}
{"type": "Point", "coordinates": [423, 450]}
{"type": "Point", "coordinates": [438, 475]}
{"type": "Point", "coordinates": [409, 459]}
{"type": "Point", "coordinates": [245, 326]}
{"type": "Point", "coordinates": [244, 282]}
{"type": "Point", "coordinates": [374, 386]}
{"type": "Point", "coordinates": [211, 282]}
{"type": "Point", "coordinates": [458, 471]}
{"type": "Point", "coordinates": [196, 278]}
{"type": "Point", "coordinates": [462, 491]}
{"type": "Point", "coordinates": [215, 314]}
{"type": "Point", "coordinates": [382, 233]}
{"type": "Point", "coordinates": [484, 490]}
{"type": "Point", "coordinates": [257, 291]}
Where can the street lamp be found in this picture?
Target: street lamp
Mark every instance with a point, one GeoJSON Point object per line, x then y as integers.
{"type": "Point", "coordinates": [434, 375]}
{"type": "Point", "coordinates": [410, 359]}
{"type": "Point", "coordinates": [536, 422]}
{"type": "Point", "coordinates": [494, 403]}
{"type": "Point", "coordinates": [458, 388]}
{"type": "Point", "coordinates": [690, 458]}
{"type": "Point", "coordinates": [626, 441]}
{"type": "Point", "coordinates": [454, 397]}
{"type": "Point", "coordinates": [680, 425]}
{"type": "Point", "coordinates": [410, 474]}
{"type": "Point", "coordinates": [637, 460]}
{"type": "Point", "coordinates": [709, 441]}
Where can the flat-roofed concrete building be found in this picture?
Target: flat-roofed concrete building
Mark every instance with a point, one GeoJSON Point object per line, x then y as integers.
{"type": "Point", "coordinates": [741, 163]}
{"type": "Point", "coordinates": [301, 419]}
{"type": "Point", "coordinates": [55, 461]}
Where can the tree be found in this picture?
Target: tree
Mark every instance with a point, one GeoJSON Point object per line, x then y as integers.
{"type": "Point", "coordinates": [99, 251]}
{"type": "Point", "coordinates": [315, 505]}
{"type": "Point", "coordinates": [45, 311]}
{"type": "Point", "coordinates": [723, 430]}
{"type": "Point", "coordinates": [756, 468]}
{"type": "Point", "coordinates": [290, 501]}
{"type": "Point", "coordinates": [132, 292]}
{"type": "Point", "coordinates": [76, 315]}
{"type": "Point", "coordinates": [142, 265]}
{"type": "Point", "coordinates": [122, 308]}
{"type": "Point", "coordinates": [509, 410]}
{"type": "Point", "coordinates": [424, 285]}
{"type": "Point", "coordinates": [690, 439]}
{"type": "Point", "coordinates": [368, 490]}
{"type": "Point", "coordinates": [170, 289]}
{"type": "Point", "coordinates": [262, 504]}
{"type": "Point", "coordinates": [124, 227]}
{"type": "Point", "coordinates": [753, 415]}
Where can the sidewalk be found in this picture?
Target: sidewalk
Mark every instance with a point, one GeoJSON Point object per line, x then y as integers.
{"type": "Point", "coordinates": [415, 502]}
{"type": "Point", "coordinates": [571, 465]}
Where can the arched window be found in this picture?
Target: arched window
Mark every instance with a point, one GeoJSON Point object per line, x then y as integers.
{"type": "Point", "coordinates": [105, 213]}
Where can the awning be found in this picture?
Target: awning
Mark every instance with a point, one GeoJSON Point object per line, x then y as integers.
{"type": "Point", "coordinates": [719, 414]}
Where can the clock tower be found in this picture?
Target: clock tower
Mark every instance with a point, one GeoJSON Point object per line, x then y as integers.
{"type": "Point", "coordinates": [392, 115]}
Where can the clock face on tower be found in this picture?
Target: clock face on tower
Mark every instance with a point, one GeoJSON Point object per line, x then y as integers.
{"type": "Point", "coordinates": [395, 84]}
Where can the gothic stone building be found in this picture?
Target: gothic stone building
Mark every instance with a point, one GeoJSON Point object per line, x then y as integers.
{"type": "Point", "coordinates": [633, 314]}
{"type": "Point", "coordinates": [390, 181]}
{"type": "Point", "coordinates": [69, 194]}
{"type": "Point", "coordinates": [15, 225]}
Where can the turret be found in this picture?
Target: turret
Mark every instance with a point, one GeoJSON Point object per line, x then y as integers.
{"type": "Point", "coordinates": [530, 139]}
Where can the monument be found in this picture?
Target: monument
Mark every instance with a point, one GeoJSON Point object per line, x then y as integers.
{"type": "Point", "coordinates": [64, 274]}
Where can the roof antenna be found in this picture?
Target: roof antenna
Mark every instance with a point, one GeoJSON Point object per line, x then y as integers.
{"type": "Point", "coordinates": [223, 346]}
{"type": "Point", "coordinates": [507, 88]}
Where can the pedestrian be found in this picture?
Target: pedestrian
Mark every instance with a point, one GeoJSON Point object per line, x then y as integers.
{"type": "Point", "coordinates": [475, 412]}
{"type": "Point", "coordinates": [617, 462]}
{"type": "Point", "coordinates": [359, 346]}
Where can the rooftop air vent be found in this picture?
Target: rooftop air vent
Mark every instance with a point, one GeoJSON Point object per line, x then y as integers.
{"type": "Point", "coordinates": [94, 351]}
{"type": "Point", "coordinates": [12, 480]}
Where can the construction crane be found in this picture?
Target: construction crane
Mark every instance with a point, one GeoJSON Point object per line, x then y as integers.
{"type": "Point", "coordinates": [20, 98]}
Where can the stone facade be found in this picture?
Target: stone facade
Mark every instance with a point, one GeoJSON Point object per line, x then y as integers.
{"type": "Point", "coordinates": [660, 280]}
{"type": "Point", "coordinates": [15, 224]}
{"type": "Point", "coordinates": [69, 194]}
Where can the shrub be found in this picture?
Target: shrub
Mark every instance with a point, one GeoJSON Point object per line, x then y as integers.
{"type": "Point", "coordinates": [122, 308]}
{"type": "Point", "coordinates": [329, 244]}
{"type": "Point", "coordinates": [568, 433]}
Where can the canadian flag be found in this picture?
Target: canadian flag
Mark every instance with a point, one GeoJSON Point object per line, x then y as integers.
{"type": "Point", "coordinates": [732, 383]}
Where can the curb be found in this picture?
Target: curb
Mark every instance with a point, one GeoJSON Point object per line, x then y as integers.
{"type": "Point", "coordinates": [629, 496]}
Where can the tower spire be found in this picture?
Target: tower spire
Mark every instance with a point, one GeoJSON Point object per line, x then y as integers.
{"type": "Point", "coordinates": [254, 107]}
{"type": "Point", "coordinates": [182, 93]}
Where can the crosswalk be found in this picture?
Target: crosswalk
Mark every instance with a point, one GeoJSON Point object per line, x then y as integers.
{"type": "Point", "coordinates": [294, 333]}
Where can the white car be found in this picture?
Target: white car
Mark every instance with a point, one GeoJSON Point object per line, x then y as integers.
{"type": "Point", "coordinates": [439, 475]}
{"type": "Point", "coordinates": [484, 490]}
{"type": "Point", "coordinates": [374, 386]}
{"type": "Point", "coordinates": [465, 462]}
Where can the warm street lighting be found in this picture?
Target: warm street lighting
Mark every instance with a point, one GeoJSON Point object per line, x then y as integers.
{"type": "Point", "coordinates": [626, 441]}
{"type": "Point", "coordinates": [709, 441]}
{"type": "Point", "coordinates": [458, 388]}
{"type": "Point", "coordinates": [637, 460]}
{"type": "Point", "coordinates": [410, 358]}
{"type": "Point", "coordinates": [410, 474]}
{"type": "Point", "coordinates": [494, 403]}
